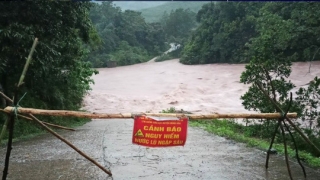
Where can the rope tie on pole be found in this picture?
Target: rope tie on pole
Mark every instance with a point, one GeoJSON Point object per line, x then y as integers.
{"type": "Point", "coordinates": [15, 108]}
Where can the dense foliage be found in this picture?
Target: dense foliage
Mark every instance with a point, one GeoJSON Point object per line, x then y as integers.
{"type": "Point", "coordinates": [178, 25]}
{"type": "Point", "coordinates": [269, 37]}
{"type": "Point", "coordinates": [271, 53]}
{"type": "Point", "coordinates": [227, 29]}
{"type": "Point", "coordinates": [58, 76]}
{"type": "Point", "coordinates": [126, 37]}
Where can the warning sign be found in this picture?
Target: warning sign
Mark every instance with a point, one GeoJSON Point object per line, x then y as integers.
{"type": "Point", "coordinates": [159, 133]}
{"type": "Point", "coordinates": [139, 133]}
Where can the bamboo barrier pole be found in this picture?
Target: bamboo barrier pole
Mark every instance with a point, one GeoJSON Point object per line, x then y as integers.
{"type": "Point", "coordinates": [46, 123]}
{"type": "Point", "coordinates": [66, 113]}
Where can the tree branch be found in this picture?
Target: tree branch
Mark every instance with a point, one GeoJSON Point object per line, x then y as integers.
{"type": "Point", "coordinates": [285, 149]}
{"type": "Point", "coordinates": [271, 84]}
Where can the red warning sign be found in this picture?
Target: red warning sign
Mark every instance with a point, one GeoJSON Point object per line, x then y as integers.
{"type": "Point", "coordinates": [159, 133]}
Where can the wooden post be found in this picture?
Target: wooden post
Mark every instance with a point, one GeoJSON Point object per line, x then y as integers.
{"type": "Point", "coordinates": [15, 102]}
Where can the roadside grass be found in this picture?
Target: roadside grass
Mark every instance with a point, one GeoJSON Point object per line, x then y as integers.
{"type": "Point", "coordinates": [234, 131]}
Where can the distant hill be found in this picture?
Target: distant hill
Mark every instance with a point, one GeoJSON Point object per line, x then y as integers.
{"type": "Point", "coordinates": [153, 14]}
{"type": "Point", "coordinates": [137, 5]}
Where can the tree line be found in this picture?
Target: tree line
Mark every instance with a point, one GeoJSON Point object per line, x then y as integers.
{"type": "Point", "coordinates": [229, 32]}
{"type": "Point", "coordinates": [126, 38]}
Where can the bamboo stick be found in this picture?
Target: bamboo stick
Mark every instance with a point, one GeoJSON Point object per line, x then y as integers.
{"type": "Point", "coordinates": [287, 118]}
{"type": "Point", "coordinates": [6, 97]}
{"type": "Point", "coordinates": [15, 103]}
{"type": "Point", "coordinates": [48, 124]}
{"type": "Point", "coordinates": [5, 125]}
{"type": "Point", "coordinates": [66, 113]}
{"type": "Point", "coordinates": [4, 128]}
{"type": "Point", "coordinates": [28, 62]}
{"type": "Point", "coordinates": [71, 145]}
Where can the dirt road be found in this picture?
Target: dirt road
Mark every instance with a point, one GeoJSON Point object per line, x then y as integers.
{"type": "Point", "coordinates": [153, 87]}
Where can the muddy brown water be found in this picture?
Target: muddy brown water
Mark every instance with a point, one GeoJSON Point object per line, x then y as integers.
{"type": "Point", "coordinates": [151, 87]}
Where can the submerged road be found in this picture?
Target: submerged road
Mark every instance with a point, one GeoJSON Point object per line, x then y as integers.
{"type": "Point", "coordinates": [205, 156]}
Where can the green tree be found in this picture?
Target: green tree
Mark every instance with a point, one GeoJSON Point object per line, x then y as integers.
{"type": "Point", "coordinates": [58, 77]}
{"type": "Point", "coordinates": [154, 41]}
{"type": "Point", "coordinates": [130, 26]}
{"type": "Point", "coordinates": [103, 16]}
{"type": "Point", "coordinates": [124, 29]}
{"type": "Point", "coordinates": [224, 30]}
{"type": "Point", "coordinates": [308, 100]}
{"type": "Point", "coordinates": [305, 41]}
{"type": "Point", "coordinates": [178, 24]}
{"type": "Point", "coordinates": [269, 68]}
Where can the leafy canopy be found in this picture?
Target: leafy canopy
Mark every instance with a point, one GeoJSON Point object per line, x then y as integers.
{"type": "Point", "coordinates": [125, 36]}
{"type": "Point", "coordinates": [58, 76]}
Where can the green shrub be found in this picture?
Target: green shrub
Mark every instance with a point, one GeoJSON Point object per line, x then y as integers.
{"type": "Point", "coordinates": [169, 110]}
